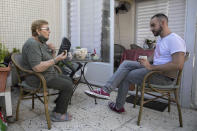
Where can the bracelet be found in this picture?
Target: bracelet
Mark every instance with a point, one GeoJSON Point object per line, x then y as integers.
{"type": "Point", "coordinates": [54, 61]}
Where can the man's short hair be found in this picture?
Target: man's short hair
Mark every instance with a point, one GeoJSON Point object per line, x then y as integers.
{"type": "Point", "coordinates": [160, 16]}
{"type": "Point", "coordinates": [37, 25]}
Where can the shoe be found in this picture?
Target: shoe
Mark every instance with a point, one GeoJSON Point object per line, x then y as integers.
{"type": "Point", "coordinates": [99, 93]}
{"type": "Point", "coordinates": [112, 106]}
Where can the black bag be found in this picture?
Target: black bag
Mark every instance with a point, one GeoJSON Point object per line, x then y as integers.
{"type": "Point", "coordinates": [68, 68]}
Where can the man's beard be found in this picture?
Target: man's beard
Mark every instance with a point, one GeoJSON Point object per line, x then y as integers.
{"type": "Point", "coordinates": [158, 32]}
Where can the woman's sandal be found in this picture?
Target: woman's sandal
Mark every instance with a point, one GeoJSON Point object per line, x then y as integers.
{"type": "Point", "coordinates": [57, 117]}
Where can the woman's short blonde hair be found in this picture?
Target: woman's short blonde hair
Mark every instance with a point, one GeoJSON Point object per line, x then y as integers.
{"type": "Point", "coordinates": [37, 25]}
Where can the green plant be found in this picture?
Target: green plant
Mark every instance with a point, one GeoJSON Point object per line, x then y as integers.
{"type": "Point", "coordinates": [3, 53]}
{"type": "Point", "coordinates": [15, 50]}
{"type": "Point", "coordinates": [150, 43]}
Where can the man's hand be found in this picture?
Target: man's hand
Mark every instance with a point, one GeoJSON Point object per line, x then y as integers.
{"type": "Point", "coordinates": [145, 63]}
{"type": "Point", "coordinates": [176, 63]}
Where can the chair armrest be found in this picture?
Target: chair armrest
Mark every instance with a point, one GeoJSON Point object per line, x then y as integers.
{"type": "Point", "coordinates": [58, 69]}
{"type": "Point", "coordinates": [38, 75]}
{"type": "Point", "coordinates": [148, 76]}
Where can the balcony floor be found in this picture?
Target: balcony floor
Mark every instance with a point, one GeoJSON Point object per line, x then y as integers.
{"type": "Point", "coordinates": [90, 117]}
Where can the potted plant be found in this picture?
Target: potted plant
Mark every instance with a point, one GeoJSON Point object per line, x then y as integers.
{"type": "Point", "coordinates": [4, 67]}
{"type": "Point", "coordinates": [150, 43]}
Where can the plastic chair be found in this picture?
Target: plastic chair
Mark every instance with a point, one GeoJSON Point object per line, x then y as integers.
{"type": "Point", "coordinates": [164, 90]}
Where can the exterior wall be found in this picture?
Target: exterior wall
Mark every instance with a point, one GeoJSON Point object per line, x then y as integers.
{"type": "Point", "coordinates": [16, 18]}
{"type": "Point", "coordinates": [188, 75]}
{"type": "Point", "coordinates": [194, 82]}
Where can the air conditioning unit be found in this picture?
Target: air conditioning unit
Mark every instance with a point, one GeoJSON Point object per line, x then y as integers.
{"type": "Point", "coordinates": [122, 6]}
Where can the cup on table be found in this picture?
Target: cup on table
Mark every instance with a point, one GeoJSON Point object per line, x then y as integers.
{"type": "Point", "coordinates": [143, 57]}
{"type": "Point", "coordinates": [70, 55]}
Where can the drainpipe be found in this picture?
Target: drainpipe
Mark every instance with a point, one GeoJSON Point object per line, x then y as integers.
{"type": "Point", "coordinates": [194, 79]}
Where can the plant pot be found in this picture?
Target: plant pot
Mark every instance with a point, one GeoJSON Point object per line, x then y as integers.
{"type": "Point", "coordinates": [4, 71]}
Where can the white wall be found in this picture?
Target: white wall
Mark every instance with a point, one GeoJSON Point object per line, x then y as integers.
{"type": "Point", "coordinates": [187, 86]}
{"type": "Point", "coordinates": [194, 82]}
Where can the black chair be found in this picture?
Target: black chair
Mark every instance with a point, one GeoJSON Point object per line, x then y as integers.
{"type": "Point", "coordinates": [118, 50]}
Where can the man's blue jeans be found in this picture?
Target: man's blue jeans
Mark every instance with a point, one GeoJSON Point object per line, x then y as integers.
{"type": "Point", "coordinates": [129, 72]}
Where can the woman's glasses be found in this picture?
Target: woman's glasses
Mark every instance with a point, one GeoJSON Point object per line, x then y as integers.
{"type": "Point", "coordinates": [45, 28]}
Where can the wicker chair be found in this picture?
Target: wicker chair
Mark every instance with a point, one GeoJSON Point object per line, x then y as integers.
{"type": "Point", "coordinates": [28, 92]}
{"type": "Point", "coordinates": [165, 92]}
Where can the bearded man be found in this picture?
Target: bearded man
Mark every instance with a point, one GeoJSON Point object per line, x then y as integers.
{"type": "Point", "coordinates": [168, 58]}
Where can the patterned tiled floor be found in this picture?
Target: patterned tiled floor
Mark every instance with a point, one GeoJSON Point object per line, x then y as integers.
{"type": "Point", "coordinates": [90, 117]}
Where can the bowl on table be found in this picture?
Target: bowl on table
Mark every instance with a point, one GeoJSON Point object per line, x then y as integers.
{"type": "Point", "coordinates": [80, 53]}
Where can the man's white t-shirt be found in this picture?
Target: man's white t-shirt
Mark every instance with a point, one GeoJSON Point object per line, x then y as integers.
{"type": "Point", "coordinates": [167, 46]}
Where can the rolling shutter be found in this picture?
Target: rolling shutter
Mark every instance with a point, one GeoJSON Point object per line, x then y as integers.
{"type": "Point", "coordinates": [145, 9]}
{"type": "Point", "coordinates": [176, 16]}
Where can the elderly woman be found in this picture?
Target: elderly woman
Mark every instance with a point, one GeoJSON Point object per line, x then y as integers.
{"type": "Point", "coordinates": [40, 57]}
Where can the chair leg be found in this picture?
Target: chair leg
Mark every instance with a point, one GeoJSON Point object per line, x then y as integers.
{"type": "Point", "coordinates": [8, 101]}
{"type": "Point", "coordinates": [141, 107]}
{"type": "Point", "coordinates": [18, 104]}
{"type": "Point", "coordinates": [136, 97]}
{"type": "Point", "coordinates": [169, 101]}
{"type": "Point", "coordinates": [178, 107]}
{"type": "Point", "coordinates": [47, 111]}
{"type": "Point", "coordinates": [32, 101]}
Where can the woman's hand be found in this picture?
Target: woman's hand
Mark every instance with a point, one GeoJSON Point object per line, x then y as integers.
{"type": "Point", "coordinates": [61, 56]}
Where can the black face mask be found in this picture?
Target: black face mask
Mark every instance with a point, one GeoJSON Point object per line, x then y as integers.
{"type": "Point", "coordinates": [42, 39]}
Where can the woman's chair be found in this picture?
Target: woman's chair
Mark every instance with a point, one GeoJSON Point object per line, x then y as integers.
{"type": "Point", "coordinates": [28, 92]}
{"type": "Point", "coordinates": [164, 90]}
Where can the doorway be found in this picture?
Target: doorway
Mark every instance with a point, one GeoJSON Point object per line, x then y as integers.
{"type": "Point", "coordinates": [124, 28]}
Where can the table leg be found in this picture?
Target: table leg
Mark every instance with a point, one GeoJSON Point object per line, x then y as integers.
{"type": "Point", "coordinates": [8, 102]}
{"type": "Point", "coordinates": [86, 81]}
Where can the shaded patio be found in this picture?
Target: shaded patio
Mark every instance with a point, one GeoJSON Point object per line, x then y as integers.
{"type": "Point", "coordinates": [90, 117]}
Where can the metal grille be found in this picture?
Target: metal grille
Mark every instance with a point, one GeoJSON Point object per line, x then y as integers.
{"type": "Point", "coordinates": [17, 15]}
